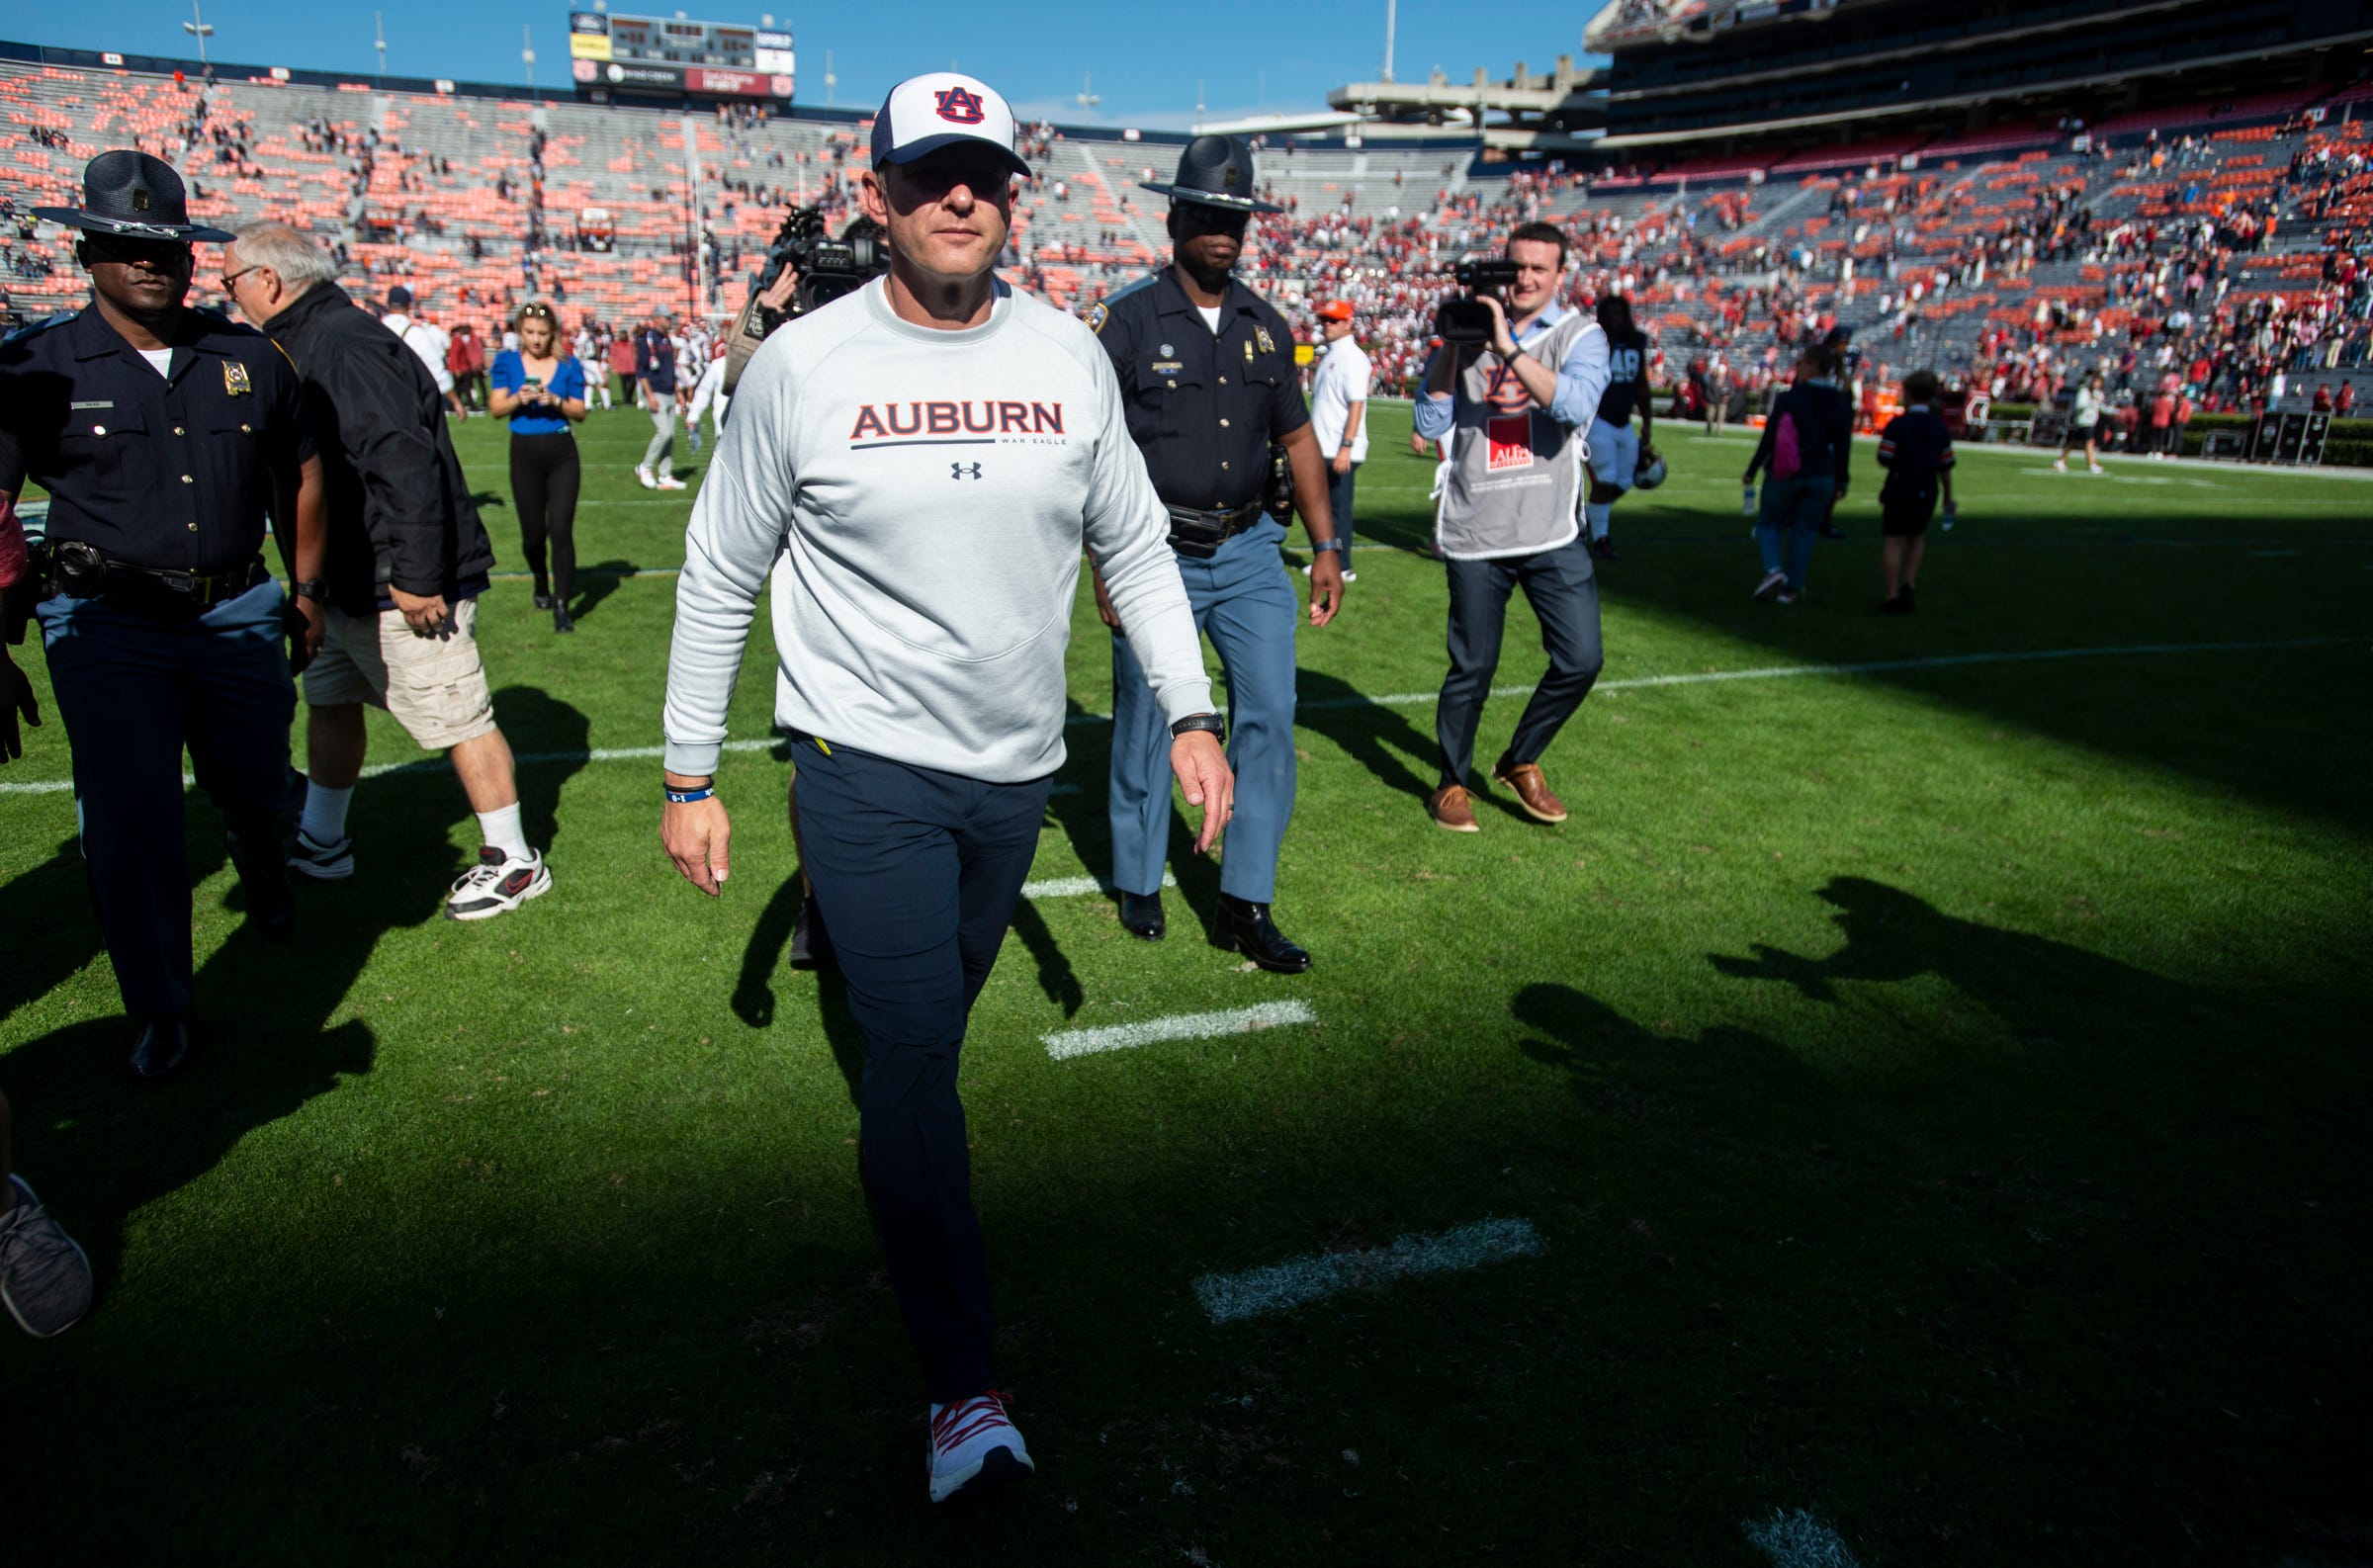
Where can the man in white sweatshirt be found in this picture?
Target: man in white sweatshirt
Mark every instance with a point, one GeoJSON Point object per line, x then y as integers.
{"type": "Point", "coordinates": [929, 456]}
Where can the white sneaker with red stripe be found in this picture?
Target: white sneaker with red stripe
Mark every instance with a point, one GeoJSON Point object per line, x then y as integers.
{"type": "Point", "coordinates": [975, 1448]}
{"type": "Point", "coordinates": [497, 885]}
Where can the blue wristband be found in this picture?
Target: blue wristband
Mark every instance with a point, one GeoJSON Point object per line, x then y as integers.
{"type": "Point", "coordinates": [687, 797]}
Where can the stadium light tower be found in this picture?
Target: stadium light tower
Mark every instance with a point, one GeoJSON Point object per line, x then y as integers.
{"type": "Point", "coordinates": [1086, 95]}
{"type": "Point", "coordinates": [200, 29]}
{"type": "Point", "coordinates": [1392, 9]}
{"type": "Point", "coordinates": [527, 55]}
{"type": "Point", "coordinates": [379, 26]}
{"type": "Point", "coordinates": [829, 80]}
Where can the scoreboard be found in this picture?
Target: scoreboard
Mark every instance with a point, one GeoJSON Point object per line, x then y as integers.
{"type": "Point", "coordinates": [671, 56]}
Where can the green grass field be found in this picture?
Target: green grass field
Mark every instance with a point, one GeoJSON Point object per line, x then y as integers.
{"type": "Point", "coordinates": [1935, 1073]}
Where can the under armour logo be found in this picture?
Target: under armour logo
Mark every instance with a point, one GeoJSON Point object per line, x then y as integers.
{"type": "Point", "coordinates": [961, 105]}
{"type": "Point", "coordinates": [964, 471]}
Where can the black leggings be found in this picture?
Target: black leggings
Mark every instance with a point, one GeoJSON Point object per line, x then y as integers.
{"type": "Point", "coordinates": [544, 480]}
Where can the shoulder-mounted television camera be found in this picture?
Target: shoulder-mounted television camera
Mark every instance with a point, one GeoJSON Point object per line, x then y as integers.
{"type": "Point", "coordinates": [826, 269]}
{"type": "Point", "coordinates": [1467, 319]}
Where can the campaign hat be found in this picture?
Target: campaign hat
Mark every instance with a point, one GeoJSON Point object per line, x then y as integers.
{"type": "Point", "coordinates": [1216, 171]}
{"type": "Point", "coordinates": [135, 196]}
{"type": "Point", "coordinates": [940, 108]}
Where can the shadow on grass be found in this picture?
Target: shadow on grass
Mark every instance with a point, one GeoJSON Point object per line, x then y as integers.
{"type": "Point", "coordinates": [1892, 936]}
{"type": "Point", "coordinates": [597, 583]}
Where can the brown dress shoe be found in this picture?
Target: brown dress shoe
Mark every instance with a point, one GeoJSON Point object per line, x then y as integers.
{"type": "Point", "coordinates": [1532, 790]}
{"type": "Point", "coordinates": [1452, 809]}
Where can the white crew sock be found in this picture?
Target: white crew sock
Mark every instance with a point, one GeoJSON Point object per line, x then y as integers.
{"type": "Point", "coordinates": [324, 819]}
{"type": "Point", "coordinates": [500, 829]}
{"type": "Point", "coordinates": [1596, 513]}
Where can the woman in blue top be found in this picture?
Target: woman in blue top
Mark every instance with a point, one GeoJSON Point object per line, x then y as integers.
{"type": "Point", "coordinates": [540, 387]}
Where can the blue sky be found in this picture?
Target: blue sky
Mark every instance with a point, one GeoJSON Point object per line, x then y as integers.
{"type": "Point", "coordinates": [1146, 61]}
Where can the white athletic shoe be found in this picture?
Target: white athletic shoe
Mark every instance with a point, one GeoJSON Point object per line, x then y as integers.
{"type": "Point", "coordinates": [330, 862]}
{"type": "Point", "coordinates": [649, 482]}
{"type": "Point", "coordinates": [669, 481]}
{"type": "Point", "coordinates": [975, 1448]}
{"type": "Point", "coordinates": [497, 885]}
{"type": "Point", "coordinates": [1772, 582]}
{"type": "Point", "coordinates": [2060, 465]}
{"type": "Point", "coordinates": [2098, 469]}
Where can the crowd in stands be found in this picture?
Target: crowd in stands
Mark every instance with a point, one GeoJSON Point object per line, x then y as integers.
{"type": "Point", "coordinates": [2228, 258]}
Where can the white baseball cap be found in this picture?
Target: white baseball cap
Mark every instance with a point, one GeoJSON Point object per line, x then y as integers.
{"type": "Point", "coordinates": [923, 114]}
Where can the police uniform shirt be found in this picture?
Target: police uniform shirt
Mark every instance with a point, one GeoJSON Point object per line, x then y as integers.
{"type": "Point", "coordinates": [171, 472]}
{"type": "Point", "coordinates": [1627, 363]}
{"type": "Point", "coordinates": [1202, 405]}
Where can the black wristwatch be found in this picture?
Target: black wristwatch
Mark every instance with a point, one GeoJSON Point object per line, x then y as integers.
{"type": "Point", "coordinates": [312, 589]}
{"type": "Point", "coordinates": [1209, 723]}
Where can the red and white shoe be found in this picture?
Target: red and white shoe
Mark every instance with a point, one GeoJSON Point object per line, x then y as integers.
{"type": "Point", "coordinates": [975, 1448]}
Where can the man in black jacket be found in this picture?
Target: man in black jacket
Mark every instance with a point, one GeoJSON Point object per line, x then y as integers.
{"type": "Point", "coordinates": [408, 559]}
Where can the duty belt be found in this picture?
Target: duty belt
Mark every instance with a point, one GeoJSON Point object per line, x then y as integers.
{"type": "Point", "coordinates": [84, 573]}
{"type": "Point", "coordinates": [1198, 534]}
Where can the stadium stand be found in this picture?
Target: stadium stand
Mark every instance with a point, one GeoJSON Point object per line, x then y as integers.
{"type": "Point", "coordinates": [2210, 236]}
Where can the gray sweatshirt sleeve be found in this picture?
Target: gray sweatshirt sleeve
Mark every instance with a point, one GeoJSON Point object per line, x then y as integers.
{"type": "Point", "coordinates": [736, 531]}
{"type": "Point", "coordinates": [1128, 536]}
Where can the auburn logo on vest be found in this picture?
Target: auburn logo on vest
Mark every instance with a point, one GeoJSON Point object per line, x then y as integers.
{"type": "Point", "coordinates": [961, 105]}
{"type": "Point", "coordinates": [974, 417]}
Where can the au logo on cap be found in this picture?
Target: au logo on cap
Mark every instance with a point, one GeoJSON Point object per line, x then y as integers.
{"type": "Point", "coordinates": [960, 105]}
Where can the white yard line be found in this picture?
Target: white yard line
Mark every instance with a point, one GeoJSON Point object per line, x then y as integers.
{"type": "Point", "coordinates": [1064, 1044]}
{"type": "Point", "coordinates": [1298, 1281]}
{"type": "Point", "coordinates": [1077, 886]}
{"type": "Point", "coordinates": [1796, 1539]}
{"type": "Point", "coordinates": [1411, 699]}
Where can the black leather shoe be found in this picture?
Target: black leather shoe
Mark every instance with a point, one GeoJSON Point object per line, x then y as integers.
{"type": "Point", "coordinates": [562, 620]}
{"type": "Point", "coordinates": [1245, 927]}
{"type": "Point", "coordinates": [162, 1047]}
{"type": "Point", "coordinates": [1141, 915]}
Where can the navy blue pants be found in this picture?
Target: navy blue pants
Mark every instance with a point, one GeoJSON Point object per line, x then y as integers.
{"type": "Point", "coordinates": [1243, 602]}
{"type": "Point", "coordinates": [1339, 504]}
{"type": "Point", "coordinates": [917, 873]}
{"type": "Point", "coordinates": [1564, 595]}
{"type": "Point", "coordinates": [135, 690]}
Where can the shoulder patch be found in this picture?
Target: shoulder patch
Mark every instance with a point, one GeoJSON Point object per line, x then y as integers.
{"type": "Point", "coordinates": [33, 328]}
{"type": "Point", "coordinates": [1097, 318]}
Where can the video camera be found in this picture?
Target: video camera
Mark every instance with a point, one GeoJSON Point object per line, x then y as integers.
{"type": "Point", "coordinates": [1465, 319]}
{"type": "Point", "coordinates": [828, 268]}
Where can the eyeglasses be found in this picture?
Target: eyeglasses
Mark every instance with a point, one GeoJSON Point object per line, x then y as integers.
{"type": "Point", "coordinates": [232, 278]}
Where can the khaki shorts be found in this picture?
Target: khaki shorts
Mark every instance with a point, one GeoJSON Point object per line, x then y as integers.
{"type": "Point", "coordinates": [435, 687]}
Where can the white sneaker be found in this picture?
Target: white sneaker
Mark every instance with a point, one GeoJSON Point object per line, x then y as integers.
{"type": "Point", "coordinates": [1351, 576]}
{"type": "Point", "coordinates": [330, 862]}
{"type": "Point", "coordinates": [669, 481]}
{"type": "Point", "coordinates": [497, 885]}
{"type": "Point", "coordinates": [645, 475]}
{"type": "Point", "coordinates": [1772, 582]}
{"type": "Point", "coordinates": [2060, 465]}
{"type": "Point", "coordinates": [2098, 469]}
{"type": "Point", "coordinates": [975, 1447]}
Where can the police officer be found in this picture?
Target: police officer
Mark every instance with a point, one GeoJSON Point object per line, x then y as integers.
{"type": "Point", "coordinates": [1207, 374]}
{"type": "Point", "coordinates": [164, 435]}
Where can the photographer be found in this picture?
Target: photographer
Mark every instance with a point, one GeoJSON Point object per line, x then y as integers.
{"type": "Point", "coordinates": [805, 269]}
{"type": "Point", "coordinates": [1506, 519]}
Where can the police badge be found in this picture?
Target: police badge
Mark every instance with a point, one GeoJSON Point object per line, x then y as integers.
{"type": "Point", "coordinates": [234, 379]}
{"type": "Point", "coordinates": [1267, 344]}
{"type": "Point", "coordinates": [1096, 319]}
